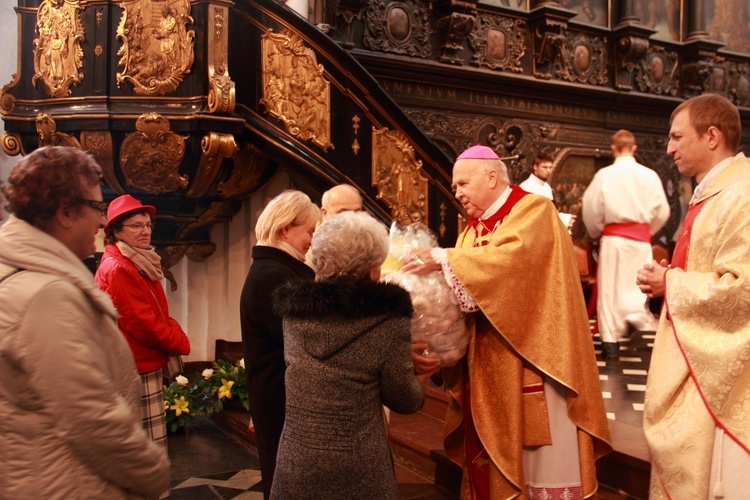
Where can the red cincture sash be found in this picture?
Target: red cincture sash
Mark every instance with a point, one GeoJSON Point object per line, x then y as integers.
{"type": "Point", "coordinates": [636, 231]}
{"type": "Point", "coordinates": [680, 254]}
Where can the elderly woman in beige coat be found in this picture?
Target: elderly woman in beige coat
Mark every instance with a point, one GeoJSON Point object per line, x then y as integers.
{"type": "Point", "coordinates": [69, 389]}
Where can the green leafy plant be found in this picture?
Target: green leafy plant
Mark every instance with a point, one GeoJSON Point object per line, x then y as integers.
{"type": "Point", "coordinates": [208, 393]}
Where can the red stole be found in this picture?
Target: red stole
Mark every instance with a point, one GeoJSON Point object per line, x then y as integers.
{"type": "Point", "coordinates": [484, 228]}
{"type": "Point", "coordinates": [478, 460]}
{"type": "Point", "coordinates": [682, 246]}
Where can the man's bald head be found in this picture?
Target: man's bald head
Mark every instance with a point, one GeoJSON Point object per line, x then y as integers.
{"type": "Point", "coordinates": [341, 198]}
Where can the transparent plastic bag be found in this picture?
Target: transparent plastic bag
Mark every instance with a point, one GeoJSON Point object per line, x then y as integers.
{"type": "Point", "coordinates": [438, 319]}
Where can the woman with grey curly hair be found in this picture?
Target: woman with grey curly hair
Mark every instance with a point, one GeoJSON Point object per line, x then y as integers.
{"type": "Point", "coordinates": [347, 348]}
{"type": "Point", "coordinates": [365, 251]}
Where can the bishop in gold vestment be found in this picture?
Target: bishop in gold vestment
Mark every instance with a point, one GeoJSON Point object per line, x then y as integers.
{"type": "Point", "coordinates": [526, 416]}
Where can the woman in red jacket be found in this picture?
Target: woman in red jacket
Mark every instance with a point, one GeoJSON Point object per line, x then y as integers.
{"type": "Point", "coordinates": [130, 271]}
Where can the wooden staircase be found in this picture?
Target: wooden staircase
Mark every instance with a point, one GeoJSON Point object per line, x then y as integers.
{"type": "Point", "coordinates": [417, 442]}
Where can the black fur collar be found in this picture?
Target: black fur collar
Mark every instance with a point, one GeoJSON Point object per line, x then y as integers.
{"type": "Point", "coordinates": [343, 298]}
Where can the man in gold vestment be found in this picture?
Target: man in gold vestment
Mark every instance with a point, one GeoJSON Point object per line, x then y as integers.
{"type": "Point", "coordinates": [697, 409]}
{"type": "Point", "coordinates": [526, 417]}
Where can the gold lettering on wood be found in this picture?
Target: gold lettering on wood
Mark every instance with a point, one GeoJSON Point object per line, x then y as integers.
{"type": "Point", "coordinates": [150, 157]}
{"type": "Point", "coordinates": [157, 48]}
{"type": "Point", "coordinates": [58, 56]}
{"type": "Point", "coordinates": [294, 88]}
{"type": "Point", "coordinates": [398, 176]}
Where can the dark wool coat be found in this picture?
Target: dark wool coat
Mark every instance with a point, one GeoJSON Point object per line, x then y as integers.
{"type": "Point", "coordinates": [348, 352]}
{"type": "Point", "coordinates": [263, 347]}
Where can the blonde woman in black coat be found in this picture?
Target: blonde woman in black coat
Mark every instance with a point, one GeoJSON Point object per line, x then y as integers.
{"type": "Point", "coordinates": [348, 352]}
{"type": "Point", "coordinates": [284, 231]}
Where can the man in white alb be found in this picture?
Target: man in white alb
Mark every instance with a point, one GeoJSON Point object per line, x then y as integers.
{"type": "Point", "coordinates": [537, 183]}
{"type": "Point", "coordinates": [624, 206]}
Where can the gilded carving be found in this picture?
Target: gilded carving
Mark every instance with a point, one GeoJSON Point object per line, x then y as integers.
{"type": "Point", "coordinates": [582, 59]}
{"type": "Point", "coordinates": [249, 165]}
{"type": "Point", "coordinates": [58, 56]}
{"type": "Point", "coordinates": [157, 47]}
{"type": "Point", "coordinates": [457, 27]}
{"type": "Point", "coordinates": [221, 95]}
{"type": "Point", "coordinates": [215, 148]}
{"type": "Point", "coordinates": [657, 72]}
{"type": "Point", "coordinates": [47, 134]}
{"type": "Point", "coordinates": [12, 145]}
{"type": "Point", "coordinates": [150, 157]}
{"type": "Point", "coordinates": [198, 252]}
{"type": "Point", "coordinates": [398, 176]}
{"type": "Point", "coordinates": [499, 43]}
{"type": "Point", "coordinates": [206, 218]}
{"type": "Point", "coordinates": [355, 127]}
{"type": "Point", "coordinates": [99, 144]}
{"type": "Point", "coordinates": [295, 89]}
{"type": "Point", "coordinates": [400, 27]}
{"type": "Point", "coordinates": [8, 100]}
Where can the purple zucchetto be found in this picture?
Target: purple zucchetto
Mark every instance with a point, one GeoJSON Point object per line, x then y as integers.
{"type": "Point", "coordinates": [478, 152]}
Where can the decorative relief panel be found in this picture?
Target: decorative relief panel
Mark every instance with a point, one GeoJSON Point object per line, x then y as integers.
{"type": "Point", "coordinates": [398, 176]}
{"type": "Point", "coordinates": [582, 59]}
{"type": "Point", "coordinates": [740, 84]}
{"type": "Point", "coordinates": [457, 27]}
{"type": "Point", "coordinates": [295, 89]}
{"type": "Point", "coordinates": [401, 27]}
{"type": "Point", "coordinates": [221, 95]}
{"type": "Point", "coordinates": [157, 47]}
{"type": "Point", "coordinates": [58, 56]}
{"type": "Point", "coordinates": [706, 74]}
{"type": "Point", "coordinates": [150, 158]}
{"type": "Point", "coordinates": [47, 133]}
{"type": "Point", "coordinates": [499, 43]}
{"type": "Point", "coordinates": [657, 72]}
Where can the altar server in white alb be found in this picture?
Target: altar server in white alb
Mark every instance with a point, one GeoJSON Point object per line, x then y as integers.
{"type": "Point", "coordinates": [624, 206]}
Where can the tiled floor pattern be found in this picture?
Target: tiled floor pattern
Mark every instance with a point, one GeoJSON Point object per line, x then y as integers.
{"type": "Point", "coordinates": [209, 464]}
{"type": "Point", "coordinates": [623, 379]}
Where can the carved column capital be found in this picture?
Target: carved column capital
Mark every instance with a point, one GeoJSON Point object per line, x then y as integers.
{"type": "Point", "coordinates": [703, 70]}
{"type": "Point", "coordinates": [456, 28]}
{"type": "Point", "coordinates": [548, 22]}
{"type": "Point", "coordinates": [631, 46]}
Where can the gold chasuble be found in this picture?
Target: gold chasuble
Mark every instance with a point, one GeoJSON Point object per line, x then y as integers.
{"type": "Point", "coordinates": [699, 379]}
{"type": "Point", "coordinates": [532, 325]}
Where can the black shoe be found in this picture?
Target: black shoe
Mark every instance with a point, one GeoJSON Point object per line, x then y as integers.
{"type": "Point", "coordinates": [610, 350]}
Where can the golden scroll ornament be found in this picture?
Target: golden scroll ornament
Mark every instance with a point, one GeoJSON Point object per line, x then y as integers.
{"type": "Point", "coordinates": [157, 48]}
{"type": "Point", "coordinates": [47, 134]}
